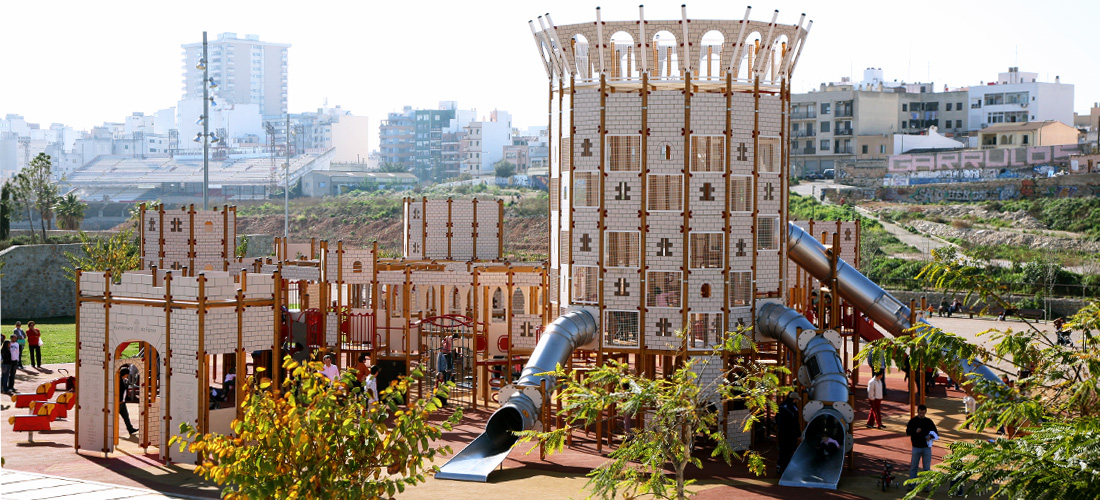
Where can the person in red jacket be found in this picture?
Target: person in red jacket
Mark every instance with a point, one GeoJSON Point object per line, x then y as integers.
{"type": "Point", "coordinates": [34, 340]}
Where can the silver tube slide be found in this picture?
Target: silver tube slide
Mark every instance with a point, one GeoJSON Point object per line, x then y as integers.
{"type": "Point", "coordinates": [576, 329]}
{"type": "Point", "coordinates": [810, 466]}
{"type": "Point", "coordinates": [864, 294]}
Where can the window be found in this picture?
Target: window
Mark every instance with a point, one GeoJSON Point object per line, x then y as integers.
{"type": "Point", "coordinates": [740, 194]}
{"type": "Point", "coordinates": [586, 189]}
{"type": "Point", "coordinates": [1025, 139]}
{"type": "Point", "coordinates": [864, 149]}
{"type": "Point", "coordinates": [740, 288]}
{"type": "Point", "coordinates": [624, 153]}
{"type": "Point", "coordinates": [767, 233]}
{"type": "Point", "coordinates": [663, 288]}
{"type": "Point", "coordinates": [997, 117]}
{"type": "Point", "coordinates": [882, 149]}
{"type": "Point", "coordinates": [825, 109]}
{"type": "Point", "coordinates": [585, 279]}
{"type": "Point", "coordinates": [958, 106]}
{"type": "Point", "coordinates": [705, 329]}
{"type": "Point", "coordinates": [621, 328]}
{"type": "Point", "coordinates": [665, 193]}
{"type": "Point", "coordinates": [623, 248]}
{"type": "Point", "coordinates": [902, 124]}
{"type": "Point", "coordinates": [904, 107]}
{"type": "Point", "coordinates": [706, 250]}
{"type": "Point", "coordinates": [824, 126]}
{"type": "Point", "coordinates": [958, 124]}
{"type": "Point", "coordinates": [708, 153]}
{"type": "Point", "coordinates": [824, 145]}
{"type": "Point", "coordinates": [769, 154]}
{"type": "Point", "coordinates": [949, 106]}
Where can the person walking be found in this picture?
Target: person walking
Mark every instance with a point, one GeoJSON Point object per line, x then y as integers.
{"type": "Point", "coordinates": [329, 370]}
{"type": "Point", "coordinates": [34, 341]}
{"type": "Point", "coordinates": [20, 338]}
{"type": "Point", "coordinates": [874, 396]}
{"type": "Point", "coordinates": [787, 431]}
{"type": "Point", "coordinates": [7, 382]}
{"type": "Point", "coordinates": [370, 384]}
{"type": "Point", "coordinates": [123, 389]}
{"type": "Point", "coordinates": [919, 430]}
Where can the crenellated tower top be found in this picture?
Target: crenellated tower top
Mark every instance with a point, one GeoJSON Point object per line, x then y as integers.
{"type": "Point", "coordinates": [670, 51]}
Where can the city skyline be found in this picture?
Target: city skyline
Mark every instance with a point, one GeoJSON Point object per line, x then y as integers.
{"type": "Point", "coordinates": [372, 60]}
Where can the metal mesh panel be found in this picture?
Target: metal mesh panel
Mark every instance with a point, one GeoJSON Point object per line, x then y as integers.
{"type": "Point", "coordinates": [623, 248]}
{"type": "Point", "coordinates": [769, 154]}
{"type": "Point", "coordinates": [767, 233]}
{"type": "Point", "coordinates": [708, 153]}
{"type": "Point", "coordinates": [564, 250]}
{"type": "Point", "coordinates": [586, 189]}
{"type": "Point", "coordinates": [624, 153]}
{"type": "Point", "coordinates": [740, 288]}
{"type": "Point", "coordinates": [706, 250]}
{"type": "Point", "coordinates": [555, 193]}
{"type": "Point", "coordinates": [665, 192]}
{"type": "Point", "coordinates": [740, 193]}
{"type": "Point", "coordinates": [663, 288]}
{"type": "Point", "coordinates": [705, 329]}
{"type": "Point", "coordinates": [620, 328]}
{"type": "Point", "coordinates": [585, 284]}
{"type": "Point", "coordinates": [566, 151]}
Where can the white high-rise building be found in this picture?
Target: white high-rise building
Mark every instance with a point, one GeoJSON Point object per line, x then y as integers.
{"type": "Point", "coordinates": [247, 71]}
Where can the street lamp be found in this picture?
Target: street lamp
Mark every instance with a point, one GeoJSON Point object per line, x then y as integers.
{"type": "Point", "coordinates": [206, 137]}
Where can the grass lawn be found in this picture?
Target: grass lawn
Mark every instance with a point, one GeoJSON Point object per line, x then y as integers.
{"type": "Point", "coordinates": [59, 340]}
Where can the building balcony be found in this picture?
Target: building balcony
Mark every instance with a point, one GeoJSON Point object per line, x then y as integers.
{"type": "Point", "coordinates": [843, 113]}
{"type": "Point", "coordinates": [805, 151]}
{"type": "Point", "coordinates": [805, 133]}
{"type": "Point", "coordinates": [804, 115]}
{"type": "Point", "coordinates": [842, 131]}
{"type": "Point", "coordinates": [843, 151]}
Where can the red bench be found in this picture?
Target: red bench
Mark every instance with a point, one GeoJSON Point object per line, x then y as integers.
{"type": "Point", "coordinates": [45, 391]}
{"type": "Point", "coordinates": [43, 413]}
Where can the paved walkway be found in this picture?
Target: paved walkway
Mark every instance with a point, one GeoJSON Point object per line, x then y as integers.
{"type": "Point", "coordinates": [16, 485]}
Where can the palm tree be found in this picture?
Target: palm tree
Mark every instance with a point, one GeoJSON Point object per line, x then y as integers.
{"type": "Point", "coordinates": [70, 212]}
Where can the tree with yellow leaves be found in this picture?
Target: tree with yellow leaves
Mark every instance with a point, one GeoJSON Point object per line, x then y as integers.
{"type": "Point", "coordinates": [316, 439]}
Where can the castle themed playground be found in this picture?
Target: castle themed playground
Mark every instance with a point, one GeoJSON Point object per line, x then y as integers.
{"type": "Point", "coordinates": [668, 194]}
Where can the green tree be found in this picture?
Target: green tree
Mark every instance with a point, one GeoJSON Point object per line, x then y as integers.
{"type": "Point", "coordinates": [504, 169]}
{"type": "Point", "coordinates": [38, 188]}
{"type": "Point", "coordinates": [678, 410]}
{"type": "Point", "coordinates": [1057, 406]}
{"type": "Point", "coordinates": [7, 205]}
{"type": "Point", "coordinates": [394, 168]}
{"type": "Point", "coordinates": [313, 439]}
{"type": "Point", "coordinates": [70, 212]}
{"type": "Point", "coordinates": [23, 193]}
{"type": "Point", "coordinates": [117, 254]}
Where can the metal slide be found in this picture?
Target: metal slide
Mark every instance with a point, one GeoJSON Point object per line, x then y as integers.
{"type": "Point", "coordinates": [865, 295]}
{"type": "Point", "coordinates": [828, 412]}
{"type": "Point", "coordinates": [576, 329]}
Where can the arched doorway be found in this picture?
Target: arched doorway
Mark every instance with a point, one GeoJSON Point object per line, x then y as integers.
{"type": "Point", "coordinates": [138, 392]}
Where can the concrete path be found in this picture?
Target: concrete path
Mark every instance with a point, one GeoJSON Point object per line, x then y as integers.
{"type": "Point", "coordinates": [17, 485]}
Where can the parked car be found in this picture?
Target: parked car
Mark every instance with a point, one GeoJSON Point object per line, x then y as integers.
{"type": "Point", "coordinates": [812, 176]}
{"type": "Point", "coordinates": [829, 173]}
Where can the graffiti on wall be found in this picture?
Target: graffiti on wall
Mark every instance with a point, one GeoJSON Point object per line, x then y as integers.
{"type": "Point", "coordinates": [1024, 189]}
{"type": "Point", "coordinates": [984, 159]}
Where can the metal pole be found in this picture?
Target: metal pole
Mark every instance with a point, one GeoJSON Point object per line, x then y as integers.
{"type": "Point", "coordinates": [286, 181]}
{"type": "Point", "coordinates": [205, 127]}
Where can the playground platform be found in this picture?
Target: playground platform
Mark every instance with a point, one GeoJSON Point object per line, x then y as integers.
{"type": "Point", "coordinates": [559, 476]}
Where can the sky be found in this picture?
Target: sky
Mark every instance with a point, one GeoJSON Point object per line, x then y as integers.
{"type": "Point", "coordinates": [85, 63]}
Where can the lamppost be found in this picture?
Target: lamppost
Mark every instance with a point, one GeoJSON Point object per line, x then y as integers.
{"type": "Point", "coordinates": [206, 137]}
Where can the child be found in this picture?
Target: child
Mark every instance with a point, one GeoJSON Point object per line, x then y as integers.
{"type": "Point", "coordinates": [969, 405]}
{"type": "Point", "coordinates": [827, 445]}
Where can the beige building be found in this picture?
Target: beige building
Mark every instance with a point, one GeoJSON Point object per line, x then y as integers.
{"type": "Point", "coordinates": [1014, 135]}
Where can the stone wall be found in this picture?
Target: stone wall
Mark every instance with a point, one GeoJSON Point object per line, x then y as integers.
{"type": "Point", "coordinates": [34, 283]}
{"type": "Point", "coordinates": [1059, 307]}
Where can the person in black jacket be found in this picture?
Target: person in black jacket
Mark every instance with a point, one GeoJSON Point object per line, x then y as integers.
{"type": "Point", "coordinates": [123, 388]}
{"type": "Point", "coordinates": [918, 430]}
{"type": "Point", "coordinates": [788, 430]}
{"type": "Point", "coordinates": [7, 382]}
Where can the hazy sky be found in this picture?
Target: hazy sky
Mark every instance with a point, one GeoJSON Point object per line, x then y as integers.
{"type": "Point", "coordinates": [83, 63]}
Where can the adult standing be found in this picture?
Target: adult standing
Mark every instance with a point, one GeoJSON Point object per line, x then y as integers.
{"type": "Point", "coordinates": [20, 338]}
{"type": "Point", "coordinates": [7, 382]}
{"type": "Point", "coordinates": [34, 341]}
{"type": "Point", "coordinates": [361, 369]}
{"type": "Point", "coordinates": [123, 388]}
{"type": "Point", "coordinates": [918, 430]}
{"type": "Point", "coordinates": [874, 396]}
{"type": "Point", "coordinates": [787, 431]}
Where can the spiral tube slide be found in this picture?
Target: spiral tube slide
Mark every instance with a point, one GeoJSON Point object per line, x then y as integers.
{"type": "Point", "coordinates": [865, 295]}
{"type": "Point", "coordinates": [827, 383]}
{"type": "Point", "coordinates": [576, 329]}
